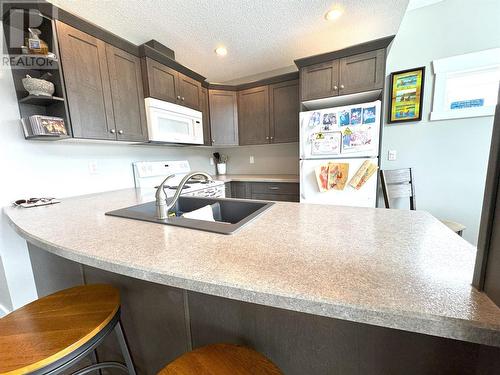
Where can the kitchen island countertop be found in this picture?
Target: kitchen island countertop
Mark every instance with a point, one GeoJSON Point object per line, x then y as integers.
{"type": "Point", "coordinates": [392, 268]}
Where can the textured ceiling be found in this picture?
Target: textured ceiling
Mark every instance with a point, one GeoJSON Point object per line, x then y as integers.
{"type": "Point", "coordinates": [260, 35]}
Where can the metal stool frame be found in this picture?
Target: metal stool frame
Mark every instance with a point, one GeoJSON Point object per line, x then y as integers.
{"type": "Point", "coordinates": [76, 356]}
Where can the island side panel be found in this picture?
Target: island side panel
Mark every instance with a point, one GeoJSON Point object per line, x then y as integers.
{"type": "Point", "coordinates": [307, 344]}
{"type": "Point", "coordinates": [153, 318]}
{"type": "Point", "coordinates": [53, 273]}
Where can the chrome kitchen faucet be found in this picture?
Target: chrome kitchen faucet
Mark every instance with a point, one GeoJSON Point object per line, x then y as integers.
{"type": "Point", "coordinates": [162, 207]}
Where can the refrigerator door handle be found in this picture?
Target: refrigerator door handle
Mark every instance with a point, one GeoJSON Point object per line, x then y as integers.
{"type": "Point", "coordinates": [301, 182]}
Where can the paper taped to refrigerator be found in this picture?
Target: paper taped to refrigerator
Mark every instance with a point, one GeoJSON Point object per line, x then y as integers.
{"type": "Point", "coordinates": [363, 174]}
{"type": "Point", "coordinates": [326, 143]}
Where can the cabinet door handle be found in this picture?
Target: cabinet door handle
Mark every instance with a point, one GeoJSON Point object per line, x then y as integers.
{"type": "Point", "coordinates": [272, 137]}
{"type": "Point", "coordinates": [213, 140]}
{"type": "Point", "coordinates": [335, 88]}
{"type": "Point", "coordinates": [273, 188]}
{"type": "Point", "coordinates": [120, 131]}
{"type": "Point", "coordinates": [112, 131]}
{"type": "Point", "coordinates": [178, 97]}
{"type": "Point", "coordinates": [182, 98]}
{"type": "Point", "coordinates": [341, 87]}
{"type": "Point", "coordinates": [267, 137]}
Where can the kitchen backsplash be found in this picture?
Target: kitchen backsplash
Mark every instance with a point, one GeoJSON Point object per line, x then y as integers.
{"type": "Point", "coordinates": [268, 159]}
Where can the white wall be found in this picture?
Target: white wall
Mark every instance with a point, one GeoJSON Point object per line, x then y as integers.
{"type": "Point", "coordinates": [449, 157]}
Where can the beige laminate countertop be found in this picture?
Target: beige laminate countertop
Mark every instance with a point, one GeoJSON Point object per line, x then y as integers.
{"type": "Point", "coordinates": [257, 178]}
{"type": "Point", "coordinates": [392, 268]}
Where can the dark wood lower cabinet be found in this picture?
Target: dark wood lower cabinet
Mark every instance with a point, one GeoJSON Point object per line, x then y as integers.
{"type": "Point", "coordinates": [162, 322]}
{"type": "Point", "coordinates": [240, 190]}
{"type": "Point", "coordinates": [282, 191]}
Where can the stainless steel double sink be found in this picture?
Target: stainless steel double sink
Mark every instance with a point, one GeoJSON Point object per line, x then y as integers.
{"type": "Point", "coordinates": [230, 214]}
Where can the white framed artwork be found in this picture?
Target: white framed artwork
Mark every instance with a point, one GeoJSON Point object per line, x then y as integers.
{"type": "Point", "coordinates": [466, 85]}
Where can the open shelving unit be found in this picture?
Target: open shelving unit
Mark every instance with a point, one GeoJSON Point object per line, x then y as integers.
{"type": "Point", "coordinates": [16, 20]}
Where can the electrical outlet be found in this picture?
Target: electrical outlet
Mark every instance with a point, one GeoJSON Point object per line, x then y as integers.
{"type": "Point", "coordinates": [93, 168]}
{"type": "Point", "coordinates": [392, 155]}
{"type": "Point", "coordinates": [252, 160]}
{"type": "Point", "coordinates": [211, 161]}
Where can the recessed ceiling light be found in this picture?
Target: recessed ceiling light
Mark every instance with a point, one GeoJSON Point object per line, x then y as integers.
{"type": "Point", "coordinates": [221, 51]}
{"type": "Point", "coordinates": [333, 13]}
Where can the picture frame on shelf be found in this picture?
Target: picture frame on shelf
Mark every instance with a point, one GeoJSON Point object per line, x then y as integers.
{"type": "Point", "coordinates": [407, 94]}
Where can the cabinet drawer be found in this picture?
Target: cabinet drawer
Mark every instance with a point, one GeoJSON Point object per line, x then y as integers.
{"type": "Point", "coordinates": [275, 188]}
{"type": "Point", "coordinates": [276, 197]}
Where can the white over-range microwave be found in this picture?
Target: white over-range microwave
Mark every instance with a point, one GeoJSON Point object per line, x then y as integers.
{"type": "Point", "coordinates": [173, 123]}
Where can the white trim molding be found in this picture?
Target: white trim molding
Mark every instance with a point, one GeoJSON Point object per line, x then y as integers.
{"type": "Point", "coordinates": [447, 68]}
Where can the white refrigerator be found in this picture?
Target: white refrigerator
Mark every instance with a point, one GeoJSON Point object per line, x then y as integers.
{"type": "Point", "coordinates": [339, 151]}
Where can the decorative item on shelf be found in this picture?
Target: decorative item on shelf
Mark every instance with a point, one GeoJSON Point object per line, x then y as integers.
{"type": "Point", "coordinates": [36, 46]}
{"type": "Point", "coordinates": [407, 91]}
{"type": "Point", "coordinates": [39, 86]}
{"type": "Point", "coordinates": [40, 126]}
{"type": "Point", "coordinates": [221, 161]}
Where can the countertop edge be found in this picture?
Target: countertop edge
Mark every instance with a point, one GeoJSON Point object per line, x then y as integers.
{"type": "Point", "coordinates": [257, 178]}
{"type": "Point", "coordinates": [446, 327]}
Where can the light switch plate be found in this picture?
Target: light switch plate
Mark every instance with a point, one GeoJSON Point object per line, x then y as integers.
{"type": "Point", "coordinates": [252, 160]}
{"type": "Point", "coordinates": [392, 155]}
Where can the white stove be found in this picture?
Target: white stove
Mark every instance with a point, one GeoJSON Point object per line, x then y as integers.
{"type": "Point", "coordinates": [149, 174]}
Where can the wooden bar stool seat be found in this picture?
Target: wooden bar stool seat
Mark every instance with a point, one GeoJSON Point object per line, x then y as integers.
{"type": "Point", "coordinates": [55, 332]}
{"type": "Point", "coordinates": [221, 359]}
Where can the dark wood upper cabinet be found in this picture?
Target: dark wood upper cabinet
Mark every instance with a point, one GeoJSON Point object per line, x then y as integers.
{"type": "Point", "coordinates": [347, 75]}
{"type": "Point", "coordinates": [164, 83]}
{"type": "Point", "coordinates": [253, 116]}
{"type": "Point", "coordinates": [207, 137]}
{"type": "Point", "coordinates": [363, 72]}
{"type": "Point", "coordinates": [223, 117]}
{"type": "Point", "coordinates": [284, 110]}
{"type": "Point", "coordinates": [320, 80]}
{"type": "Point", "coordinates": [88, 89]}
{"type": "Point", "coordinates": [189, 92]}
{"type": "Point", "coordinates": [127, 95]}
{"type": "Point", "coordinates": [160, 81]}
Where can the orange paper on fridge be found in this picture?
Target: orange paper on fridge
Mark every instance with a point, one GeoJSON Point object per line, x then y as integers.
{"type": "Point", "coordinates": [363, 174]}
{"type": "Point", "coordinates": [332, 176]}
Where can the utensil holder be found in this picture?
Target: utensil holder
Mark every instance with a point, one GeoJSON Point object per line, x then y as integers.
{"type": "Point", "coordinates": [221, 168]}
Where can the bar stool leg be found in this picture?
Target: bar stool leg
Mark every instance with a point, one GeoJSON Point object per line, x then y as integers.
{"type": "Point", "coordinates": [124, 348]}
{"type": "Point", "coordinates": [95, 359]}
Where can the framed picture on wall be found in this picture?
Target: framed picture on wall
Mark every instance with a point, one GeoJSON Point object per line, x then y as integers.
{"type": "Point", "coordinates": [407, 92]}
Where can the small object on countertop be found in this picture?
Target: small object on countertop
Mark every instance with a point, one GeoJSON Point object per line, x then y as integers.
{"type": "Point", "coordinates": [35, 202]}
{"type": "Point", "coordinates": [221, 168]}
{"type": "Point", "coordinates": [216, 156]}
